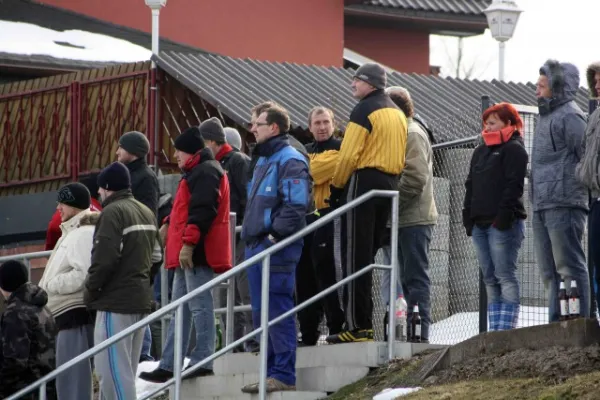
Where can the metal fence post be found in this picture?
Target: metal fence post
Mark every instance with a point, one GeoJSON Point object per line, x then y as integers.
{"type": "Point", "coordinates": [592, 105]}
{"type": "Point", "coordinates": [178, 356]}
{"type": "Point", "coordinates": [229, 316]}
{"type": "Point", "coordinates": [393, 278]}
{"type": "Point", "coordinates": [164, 300]}
{"type": "Point", "coordinates": [486, 103]}
{"type": "Point", "coordinates": [264, 323]}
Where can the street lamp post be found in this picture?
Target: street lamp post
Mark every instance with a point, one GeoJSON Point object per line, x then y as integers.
{"type": "Point", "coordinates": [502, 17]}
{"type": "Point", "coordinates": [153, 126]}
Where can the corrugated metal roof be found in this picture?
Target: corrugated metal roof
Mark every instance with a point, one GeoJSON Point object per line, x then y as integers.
{"type": "Point", "coordinates": [447, 6]}
{"type": "Point", "coordinates": [451, 106]}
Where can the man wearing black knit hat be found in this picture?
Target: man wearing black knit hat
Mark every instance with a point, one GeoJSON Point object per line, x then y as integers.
{"type": "Point", "coordinates": [132, 151]}
{"type": "Point", "coordinates": [236, 165]}
{"type": "Point", "coordinates": [198, 245]}
{"type": "Point", "coordinates": [27, 332]}
{"type": "Point", "coordinates": [63, 280]}
{"type": "Point", "coordinates": [117, 286]}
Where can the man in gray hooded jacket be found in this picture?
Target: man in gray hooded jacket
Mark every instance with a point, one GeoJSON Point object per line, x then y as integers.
{"type": "Point", "coordinates": [588, 170]}
{"type": "Point", "coordinates": [560, 201]}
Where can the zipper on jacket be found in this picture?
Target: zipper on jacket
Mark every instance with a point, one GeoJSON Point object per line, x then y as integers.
{"type": "Point", "coordinates": [552, 139]}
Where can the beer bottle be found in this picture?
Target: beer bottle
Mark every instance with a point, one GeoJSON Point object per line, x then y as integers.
{"type": "Point", "coordinates": [386, 322]}
{"type": "Point", "coordinates": [564, 301]}
{"type": "Point", "coordinates": [415, 324]}
{"type": "Point", "coordinates": [574, 303]}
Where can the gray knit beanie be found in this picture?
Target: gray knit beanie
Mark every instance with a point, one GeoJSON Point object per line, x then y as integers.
{"type": "Point", "coordinates": [373, 74]}
{"type": "Point", "coordinates": [212, 129]}
{"type": "Point", "coordinates": [233, 138]}
{"type": "Point", "coordinates": [135, 143]}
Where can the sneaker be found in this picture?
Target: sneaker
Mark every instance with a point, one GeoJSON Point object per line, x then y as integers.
{"type": "Point", "coordinates": [273, 385]}
{"type": "Point", "coordinates": [159, 375]}
{"type": "Point", "coordinates": [146, 358]}
{"type": "Point", "coordinates": [357, 335]}
{"type": "Point", "coordinates": [200, 372]}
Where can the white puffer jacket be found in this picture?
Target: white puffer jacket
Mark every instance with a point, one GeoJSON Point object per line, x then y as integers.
{"type": "Point", "coordinates": [68, 266]}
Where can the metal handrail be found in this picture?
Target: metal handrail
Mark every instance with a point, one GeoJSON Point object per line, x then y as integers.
{"type": "Point", "coordinates": [264, 257]}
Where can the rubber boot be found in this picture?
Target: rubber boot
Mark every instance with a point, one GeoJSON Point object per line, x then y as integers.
{"type": "Point", "coordinates": [494, 310]}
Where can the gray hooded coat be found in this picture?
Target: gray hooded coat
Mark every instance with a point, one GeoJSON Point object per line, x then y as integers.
{"type": "Point", "coordinates": [588, 169]}
{"type": "Point", "coordinates": [557, 143]}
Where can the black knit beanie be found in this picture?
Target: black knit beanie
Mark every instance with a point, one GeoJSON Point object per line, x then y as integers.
{"type": "Point", "coordinates": [115, 177]}
{"type": "Point", "coordinates": [13, 275]}
{"type": "Point", "coordinates": [212, 129]}
{"type": "Point", "coordinates": [135, 143]}
{"type": "Point", "coordinates": [189, 141]}
{"type": "Point", "coordinates": [75, 195]}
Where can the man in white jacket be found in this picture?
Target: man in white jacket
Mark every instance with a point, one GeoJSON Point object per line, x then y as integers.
{"type": "Point", "coordinates": [63, 280]}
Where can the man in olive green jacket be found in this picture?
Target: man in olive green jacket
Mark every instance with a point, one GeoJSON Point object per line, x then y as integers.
{"type": "Point", "coordinates": [116, 287]}
{"type": "Point", "coordinates": [417, 216]}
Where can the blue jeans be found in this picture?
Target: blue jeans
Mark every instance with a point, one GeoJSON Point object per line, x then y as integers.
{"type": "Point", "coordinates": [147, 345]}
{"type": "Point", "coordinates": [497, 253]}
{"type": "Point", "coordinates": [200, 310]}
{"type": "Point", "coordinates": [558, 235]}
{"type": "Point", "coordinates": [281, 352]}
{"type": "Point", "coordinates": [413, 261]}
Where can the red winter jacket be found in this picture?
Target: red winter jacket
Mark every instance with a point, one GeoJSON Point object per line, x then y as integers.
{"type": "Point", "coordinates": [200, 215]}
{"type": "Point", "coordinates": [54, 233]}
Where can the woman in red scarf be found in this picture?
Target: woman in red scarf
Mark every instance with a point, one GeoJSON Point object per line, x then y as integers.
{"type": "Point", "coordinates": [493, 210]}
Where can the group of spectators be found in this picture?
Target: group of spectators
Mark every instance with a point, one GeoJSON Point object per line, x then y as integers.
{"type": "Point", "coordinates": [106, 253]}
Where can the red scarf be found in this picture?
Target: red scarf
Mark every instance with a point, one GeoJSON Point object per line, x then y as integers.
{"type": "Point", "coordinates": [498, 137]}
{"type": "Point", "coordinates": [225, 149]}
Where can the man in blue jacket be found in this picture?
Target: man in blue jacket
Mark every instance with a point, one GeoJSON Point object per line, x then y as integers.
{"type": "Point", "coordinates": [278, 200]}
{"type": "Point", "coordinates": [560, 201]}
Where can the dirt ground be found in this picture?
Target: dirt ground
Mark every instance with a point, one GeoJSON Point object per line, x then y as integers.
{"type": "Point", "coordinates": [552, 373]}
{"type": "Point", "coordinates": [552, 365]}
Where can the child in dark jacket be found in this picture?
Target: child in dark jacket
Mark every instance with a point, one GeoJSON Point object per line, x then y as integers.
{"type": "Point", "coordinates": [27, 333]}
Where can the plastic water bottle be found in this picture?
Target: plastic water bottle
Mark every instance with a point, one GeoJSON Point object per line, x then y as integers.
{"type": "Point", "coordinates": [401, 317]}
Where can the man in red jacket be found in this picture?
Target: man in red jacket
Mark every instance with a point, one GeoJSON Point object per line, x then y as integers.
{"type": "Point", "coordinates": [54, 233]}
{"type": "Point", "coordinates": [198, 245]}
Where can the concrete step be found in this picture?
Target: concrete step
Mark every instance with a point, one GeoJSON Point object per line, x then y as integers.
{"type": "Point", "coordinates": [270, 396]}
{"type": "Point", "coordinates": [317, 379]}
{"type": "Point", "coordinates": [367, 354]}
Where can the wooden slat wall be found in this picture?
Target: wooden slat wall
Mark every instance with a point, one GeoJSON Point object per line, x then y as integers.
{"type": "Point", "coordinates": [41, 158]}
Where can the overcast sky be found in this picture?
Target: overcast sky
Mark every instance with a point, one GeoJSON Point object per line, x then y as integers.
{"type": "Point", "coordinates": [567, 30]}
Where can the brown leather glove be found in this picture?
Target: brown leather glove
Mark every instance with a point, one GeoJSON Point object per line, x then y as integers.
{"type": "Point", "coordinates": [163, 233]}
{"type": "Point", "coordinates": [185, 256]}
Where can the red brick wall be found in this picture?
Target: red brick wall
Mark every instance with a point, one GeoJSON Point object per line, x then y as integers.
{"type": "Point", "coordinates": [306, 31]}
{"type": "Point", "coordinates": [404, 51]}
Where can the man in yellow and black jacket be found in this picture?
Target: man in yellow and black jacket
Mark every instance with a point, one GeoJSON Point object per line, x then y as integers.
{"type": "Point", "coordinates": [371, 157]}
{"type": "Point", "coordinates": [316, 270]}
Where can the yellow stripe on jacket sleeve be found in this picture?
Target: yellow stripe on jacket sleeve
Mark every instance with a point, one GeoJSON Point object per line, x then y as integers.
{"type": "Point", "coordinates": [322, 166]}
{"type": "Point", "coordinates": [352, 147]}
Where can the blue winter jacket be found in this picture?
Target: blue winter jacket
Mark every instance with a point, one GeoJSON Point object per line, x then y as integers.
{"type": "Point", "coordinates": [278, 200]}
{"type": "Point", "coordinates": [557, 143]}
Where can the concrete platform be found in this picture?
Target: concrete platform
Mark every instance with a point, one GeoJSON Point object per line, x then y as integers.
{"type": "Point", "coordinates": [271, 396]}
{"type": "Point", "coordinates": [368, 354]}
{"type": "Point", "coordinates": [574, 333]}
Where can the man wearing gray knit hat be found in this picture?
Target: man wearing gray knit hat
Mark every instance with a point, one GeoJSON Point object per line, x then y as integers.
{"type": "Point", "coordinates": [132, 151]}
{"type": "Point", "coordinates": [236, 165]}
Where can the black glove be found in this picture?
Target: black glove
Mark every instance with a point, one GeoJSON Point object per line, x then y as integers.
{"type": "Point", "coordinates": [467, 221]}
{"type": "Point", "coordinates": [504, 219]}
{"type": "Point", "coordinates": [335, 198]}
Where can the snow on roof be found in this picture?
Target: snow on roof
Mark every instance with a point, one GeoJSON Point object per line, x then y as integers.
{"type": "Point", "coordinates": [29, 39]}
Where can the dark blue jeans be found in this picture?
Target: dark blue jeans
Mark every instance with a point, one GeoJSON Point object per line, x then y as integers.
{"type": "Point", "coordinates": [594, 246]}
{"type": "Point", "coordinates": [558, 236]}
{"type": "Point", "coordinates": [413, 261]}
{"type": "Point", "coordinates": [497, 253]}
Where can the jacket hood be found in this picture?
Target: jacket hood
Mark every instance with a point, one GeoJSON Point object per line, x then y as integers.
{"type": "Point", "coordinates": [30, 294]}
{"type": "Point", "coordinates": [563, 79]}
{"type": "Point", "coordinates": [90, 218]}
{"type": "Point", "coordinates": [591, 71]}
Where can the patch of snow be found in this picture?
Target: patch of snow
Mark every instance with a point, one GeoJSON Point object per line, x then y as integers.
{"type": "Point", "coordinates": [28, 39]}
{"type": "Point", "coordinates": [143, 387]}
{"type": "Point", "coordinates": [462, 326]}
{"type": "Point", "coordinates": [391, 394]}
